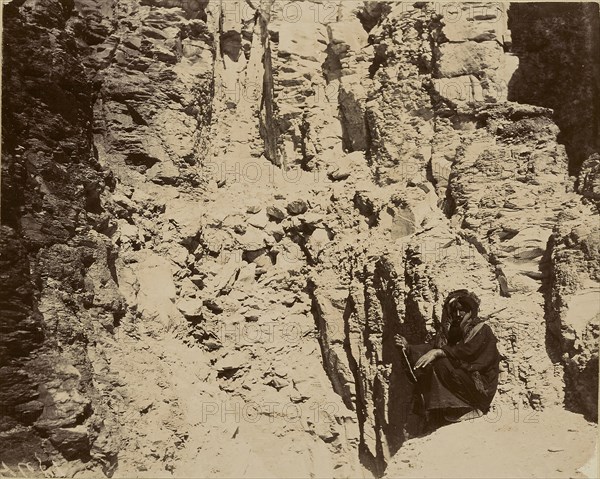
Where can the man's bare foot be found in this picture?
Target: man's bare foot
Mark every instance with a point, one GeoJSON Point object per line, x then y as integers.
{"type": "Point", "coordinates": [400, 341]}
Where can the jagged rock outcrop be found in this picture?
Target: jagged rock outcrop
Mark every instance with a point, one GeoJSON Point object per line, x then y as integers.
{"type": "Point", "coordinates": [572, 310]}
{"type": "Point", "coordinates": [59, 294]}
{"type": "Point", "coordinates": [557, 47]}
{"type": "Point", "coordinates": [589, 178]}
{"type": "Point", "coordinates": [216, 215]}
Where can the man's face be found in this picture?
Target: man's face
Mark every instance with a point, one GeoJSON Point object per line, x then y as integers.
{"type": "Point", "coordinates": [459, 311]}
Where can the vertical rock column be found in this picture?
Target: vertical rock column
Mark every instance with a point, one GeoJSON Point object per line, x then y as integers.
{"type": "Point", "coordinates": [59, 292]}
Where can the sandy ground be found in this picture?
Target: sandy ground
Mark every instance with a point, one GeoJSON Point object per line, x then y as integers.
{"type": "Point", "coordinates": [504, 444]}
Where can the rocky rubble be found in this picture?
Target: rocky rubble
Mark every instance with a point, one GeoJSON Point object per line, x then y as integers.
{"type": "Point", "coordinates": [217, 215]}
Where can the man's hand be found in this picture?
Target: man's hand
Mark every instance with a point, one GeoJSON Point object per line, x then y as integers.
{"type": "Point", "coordinates": [400, 341]}
{"type": "Point", "coordinates": [428, 358]}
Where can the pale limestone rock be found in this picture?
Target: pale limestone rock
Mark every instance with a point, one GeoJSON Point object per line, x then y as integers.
{"type": "Point", "coordinates": [259, 219]}
{"type": "Point", "coordinates": [474, 21]}
{"type": "Point", "coordinates": [460, 89]}
{"type": "Point", "coordinates": [154, 288]}
{"type": "Point", "coordinates": [190, 308]}
{"type": "Point", "coordinates": [254, 239]}
{"type": "Point", "coordinates": [348, 33]}
{"type": "Point", "coordinates": [300, 35]}
{"type": "Point", "coordinates": [246, 275]}
{"type": "Point", "coordinates": [164, 172]}
{"type": "Point", "coordinates": [468, 58]}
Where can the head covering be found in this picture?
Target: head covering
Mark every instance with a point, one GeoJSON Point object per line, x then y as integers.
{"type": "Point", "coordinates": [471, 301]}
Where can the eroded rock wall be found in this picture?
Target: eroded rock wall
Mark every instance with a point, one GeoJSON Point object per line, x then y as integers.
{"type": "Point", "coordinates": [497, 172]}
{"type": "Point", "coordinates": [217, 215]}
{"type": "Point", "coordinates": [59, 294]}
{"type": "Point", "coordinates": [557, 46]}
{"type": "Point", "coordinates": [572, 309]}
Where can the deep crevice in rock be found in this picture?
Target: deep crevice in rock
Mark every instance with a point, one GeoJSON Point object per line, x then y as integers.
{"type": "Point", "coordinates": [558, 46]}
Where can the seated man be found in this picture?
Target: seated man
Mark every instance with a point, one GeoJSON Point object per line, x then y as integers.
{"type": "Point", "coordinates": [460, 378]}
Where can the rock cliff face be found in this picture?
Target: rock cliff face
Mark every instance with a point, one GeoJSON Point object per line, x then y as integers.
{"type": "Point", "coordinates": [564, 34]}
{"type": "Point", "coordinates": [216, 215]}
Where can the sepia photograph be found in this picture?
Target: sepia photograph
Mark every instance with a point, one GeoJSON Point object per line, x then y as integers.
{"type": "Point", "coordinates": [299, 239]}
